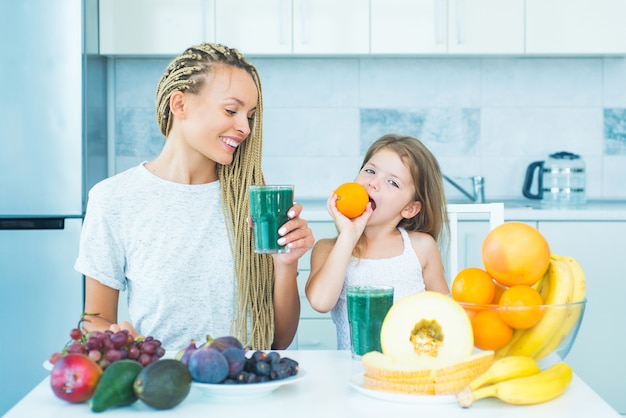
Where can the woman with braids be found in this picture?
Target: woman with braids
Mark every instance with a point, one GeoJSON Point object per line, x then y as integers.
{"type": "Point", "coordinates": [173, 231]}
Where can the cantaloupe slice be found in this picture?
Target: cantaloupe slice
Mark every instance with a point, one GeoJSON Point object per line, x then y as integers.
{"type": "Point", "coordinates": [385, 374]}
{"type": "Point", "coordinates": [427, 330]}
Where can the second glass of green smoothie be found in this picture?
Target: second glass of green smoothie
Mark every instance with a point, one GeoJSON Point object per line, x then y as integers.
{"type": "Point", "coordinates": [367, 308]}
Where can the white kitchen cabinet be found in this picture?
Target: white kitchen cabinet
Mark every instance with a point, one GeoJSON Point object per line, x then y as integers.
{"type": "Point", "coordinates": [598, 352]}
{"type": "Point", "coordinates": [254, 27]}
{"type": "Point", "coordinates": [447, 26]}
{"type": "Point", "coordinates": [575, 27]}
{"type": "Point", "coordinates": [331, 27]}
{"type": "Point", "coordinates": [153, 27]}
{"type": "Point", "coordinates": [486, 26]}
{"type": "Point", "coordinates": [409, 26]}
{"type": "Point", "coordinates": [293, 26]}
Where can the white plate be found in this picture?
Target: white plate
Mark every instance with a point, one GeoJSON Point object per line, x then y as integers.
{"type": "Point", "coordinates": [249, 390]}
{"type": "Point", "coordinates": [357, 382]}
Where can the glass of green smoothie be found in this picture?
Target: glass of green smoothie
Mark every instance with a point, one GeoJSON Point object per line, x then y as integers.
{"type": "Point", "coordinates": [269, 205]}
{"type": "Point", "coordinates": [367, 308]}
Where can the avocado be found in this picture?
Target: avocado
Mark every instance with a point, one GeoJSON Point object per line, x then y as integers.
{"type": "Point", "coordinates": [163, 384]}
{"type": "Point", "coordinates": [115, 387]}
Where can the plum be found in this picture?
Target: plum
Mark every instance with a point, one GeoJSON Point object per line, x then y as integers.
{"type": "Point", "coordinates": [236, 359]}
{"type": "Point", "coordinates": [226, 342]}
{"type": "Point", "coordinates": [208, 365]}
{"type": "Point", "coordinates": [184, 353]}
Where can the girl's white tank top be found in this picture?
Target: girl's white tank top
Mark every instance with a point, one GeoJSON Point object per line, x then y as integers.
{"type": "Point", "coordinates": [403, 272]}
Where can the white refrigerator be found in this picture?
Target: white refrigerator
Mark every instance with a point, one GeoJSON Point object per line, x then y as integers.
{"type": "Point", "coordinates": [43, 160]}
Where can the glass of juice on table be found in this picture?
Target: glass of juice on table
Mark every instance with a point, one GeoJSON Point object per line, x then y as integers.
{"type": "Point", "coordinates": [367, 307]}
{"type": "Point", "coordinates": [269, 205]}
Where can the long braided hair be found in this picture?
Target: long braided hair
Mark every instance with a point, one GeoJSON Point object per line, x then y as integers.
{"type": "Point", "coordinates": [254, 317]}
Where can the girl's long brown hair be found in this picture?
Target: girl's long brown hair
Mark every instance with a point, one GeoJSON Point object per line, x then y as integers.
{"type": "Point", "coordinates": [427, 179]}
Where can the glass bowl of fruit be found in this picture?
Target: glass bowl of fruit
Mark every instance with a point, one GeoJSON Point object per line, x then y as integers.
{"type": "Point", "coordinates": [545, 332]}
{"type": "Point", "coordinates": [539, 319]}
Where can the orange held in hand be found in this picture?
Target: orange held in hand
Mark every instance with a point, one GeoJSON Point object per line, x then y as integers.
{"type": "Point", "coordinates": [352, 198]}
{"type": "Point", "coordinates": [515, 253]}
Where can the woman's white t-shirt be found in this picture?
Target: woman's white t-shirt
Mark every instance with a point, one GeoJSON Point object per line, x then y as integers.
{"type": "Point", "coordinates": [166, 244]}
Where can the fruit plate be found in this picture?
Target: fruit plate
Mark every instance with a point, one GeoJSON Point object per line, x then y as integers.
{"type": "Point", "coordinates": [357, 382]}
{"type": "Point", "coordinates": [250, 390]}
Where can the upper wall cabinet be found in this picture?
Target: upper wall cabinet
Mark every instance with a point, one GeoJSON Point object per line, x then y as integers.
{"type": "Point", "coordinates": [254, 27]}
{"type": "Point", "coordinates": [447, 26]}
{"type": "Point", "coordinates": [359, 27]}
{"type": "Point", "coordinates": [153, 27]}
{"type": "Point", "coordinates": [330, 26]}
{"type": "Point", "coordinates": [486, 26]}
{"type": "Point", "coordinates": [293, 26]}
{"type": "Point", "coordinates": [409, 26]}
{"type": "Point", "coordinates": [575, 27]}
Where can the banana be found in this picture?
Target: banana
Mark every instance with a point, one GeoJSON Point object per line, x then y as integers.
{"type": "Point", "coordinates": [580, 283]}
{"type": "Point", "coordinates": [560, 282]}
{"type": "Point", "coordinates": [573, 313]}
{"type": "Point", "coordinates": [537, 388]}
{"type": "Point", "coordinates": [504, 369]}
{"type": "Point", "coordinates": [542, 285]}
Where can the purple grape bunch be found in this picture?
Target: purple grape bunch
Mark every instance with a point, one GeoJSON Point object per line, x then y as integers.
{"type": "Point", "coordinates": [106, 347]}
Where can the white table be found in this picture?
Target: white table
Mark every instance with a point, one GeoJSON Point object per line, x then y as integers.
{"type": "Point", "coordinates": [324, 391]}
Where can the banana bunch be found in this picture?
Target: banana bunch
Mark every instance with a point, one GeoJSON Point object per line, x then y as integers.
{"type": "Point", "coordinates": [517, 380]}
{"type": "Point", "coordinates": [563, 282]}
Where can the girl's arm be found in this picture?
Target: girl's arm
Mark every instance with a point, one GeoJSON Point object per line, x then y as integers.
{"type": "Point", "coordinates": [330, 258]}
{"type": "Point", "coordinates": [329, 261]}
{"type": "Point", "coordinates": [432, 266]}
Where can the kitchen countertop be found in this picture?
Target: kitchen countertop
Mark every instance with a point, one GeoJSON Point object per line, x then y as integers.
{"type": "Point", "coordinates": [519, 210]}
{"type": "Point", "coordinates": [325, 390]}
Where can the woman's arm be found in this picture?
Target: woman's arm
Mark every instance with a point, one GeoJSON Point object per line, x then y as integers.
{"type": "Point", "coordinates": [297, 235]}
{"type": "Point", "coordinates": [101, 305]}
{"type": "Point", "coordinates": [102, 300]}
{"type": "Point", "coordinates": [286, 301]}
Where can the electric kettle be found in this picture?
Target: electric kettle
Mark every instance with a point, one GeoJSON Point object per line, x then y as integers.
{"type": "Point", "coordinates": [561, 180]}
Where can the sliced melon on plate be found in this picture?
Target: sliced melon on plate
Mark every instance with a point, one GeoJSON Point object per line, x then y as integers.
{"type": "Point", "coordinates": [427, 330]}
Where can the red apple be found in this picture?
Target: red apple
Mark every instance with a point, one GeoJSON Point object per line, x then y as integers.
{"type": "Point", "coordinates": [74, 377]}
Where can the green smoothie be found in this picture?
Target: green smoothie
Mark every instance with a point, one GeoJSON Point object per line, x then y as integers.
{"type": "Point", "coordinates": [367, 308]}
{"type": "Point", "coordinates": [268, 209]}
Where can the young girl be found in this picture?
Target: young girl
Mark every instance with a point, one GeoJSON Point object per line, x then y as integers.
{"type": "Point", "coordinates": [393, 242]}
{"type": "Point", "coordinates": [173, 231]}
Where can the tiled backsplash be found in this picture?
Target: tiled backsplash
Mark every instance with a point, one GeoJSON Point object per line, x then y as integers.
{"type": "Point", "coordinates": [479, 116]}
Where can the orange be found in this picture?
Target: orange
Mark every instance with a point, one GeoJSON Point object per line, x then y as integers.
{"type": "Point", "coordinates": [490, 331]}
{"type": "Point", "coordinates": [515, 253]}
{"type": "Point", "coordinates": [473, 285]}
{"type": "Point", "coordinates": [352, 198]}
{"type": "Point", "coordinates": [521, 300]}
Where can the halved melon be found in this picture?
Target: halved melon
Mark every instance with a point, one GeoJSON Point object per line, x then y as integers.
{"type": "Point", "coordinates": [427, 330]}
